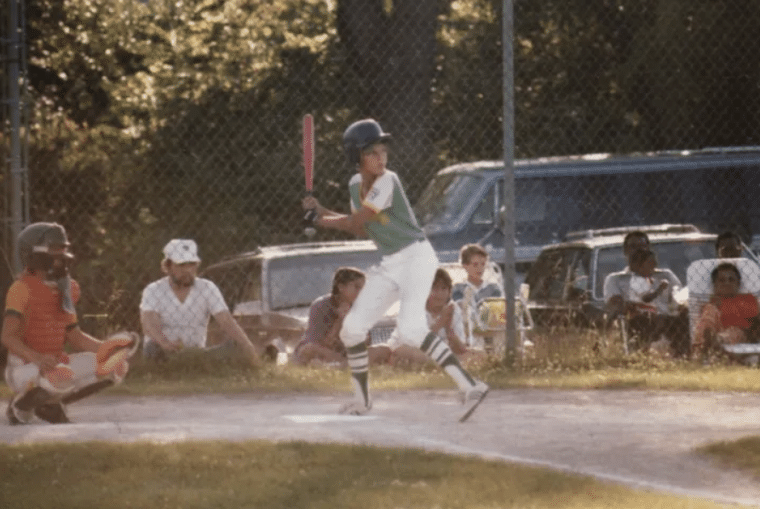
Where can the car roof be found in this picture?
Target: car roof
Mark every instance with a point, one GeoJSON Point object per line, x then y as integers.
{"type": "Point", "coordinates": [617, 240]}
{"type": "Point", "coordinates": [299, 249]}
{"type": "Point", "coordinates": [607, 163]}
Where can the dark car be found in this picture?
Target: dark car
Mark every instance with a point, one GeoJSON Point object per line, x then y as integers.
{"type": "Point", "coordinates": [567, 280]}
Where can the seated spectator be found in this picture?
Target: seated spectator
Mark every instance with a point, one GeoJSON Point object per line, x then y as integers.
{"type": "Point", "coordinates": [175, 310]}
{"type": "Point", "coordinates": [652, 307]}
{"type": "Point", "coordinates": [616, 283]}
{"type": "Point", "coordinates": [470, 293]}
{"type": "Point", "coordinates": [320, 341]}
{"type": "Point", "coordinates": [728, 245]}
{"type": "Point", "coordinates": [730, 317]}
{"type": "Point", "coordinates": [444, 317]}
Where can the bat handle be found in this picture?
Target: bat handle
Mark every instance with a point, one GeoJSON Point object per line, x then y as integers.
{"type": "Point", "coordinates": [310, 231]}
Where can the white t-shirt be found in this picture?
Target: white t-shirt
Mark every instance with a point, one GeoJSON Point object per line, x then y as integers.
{"type": "Point", "coordinates": [640, 286]}
{"type": "Point", "coordinates": [184, 321]}
{"type": "Point", "coordinates": [617, 283]}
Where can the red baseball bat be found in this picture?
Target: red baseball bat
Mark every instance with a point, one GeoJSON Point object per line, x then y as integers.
{"type": "Point", "coordinates": [308, 160]}
{"type": "Point", "coordinates": [308, 151]}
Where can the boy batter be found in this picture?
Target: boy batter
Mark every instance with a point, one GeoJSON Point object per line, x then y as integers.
{"type": "Point", "coordinates": [381, 211]}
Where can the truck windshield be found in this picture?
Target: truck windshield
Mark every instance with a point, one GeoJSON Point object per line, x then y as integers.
{"type": "Point", "coordinates": [297, 281]}
{"type": "Point", "coordinates": [445, 197]}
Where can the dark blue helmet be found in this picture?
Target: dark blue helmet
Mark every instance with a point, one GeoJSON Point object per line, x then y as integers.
{"type": "Point", "coordinates": [360, 135]}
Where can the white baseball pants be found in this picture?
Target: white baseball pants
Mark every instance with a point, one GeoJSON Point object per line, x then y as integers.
{"type": "Point", "coordinates": [406, 276]}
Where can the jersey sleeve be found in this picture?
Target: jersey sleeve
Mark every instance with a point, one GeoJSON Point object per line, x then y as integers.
{"type": "Point", "coordinates": [17, 298]}
{"type": "Point", "coordinates": [381, 194]}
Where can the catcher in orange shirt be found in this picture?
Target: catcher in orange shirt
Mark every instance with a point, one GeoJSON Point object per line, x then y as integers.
{"type": "Point", "coordinates": [40, 320]}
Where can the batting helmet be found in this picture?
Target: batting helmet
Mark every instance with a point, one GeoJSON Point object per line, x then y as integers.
{"type": "Point", "coordinates": [36, 240]}
{"type": "Point", "coordinates": [360, 135]}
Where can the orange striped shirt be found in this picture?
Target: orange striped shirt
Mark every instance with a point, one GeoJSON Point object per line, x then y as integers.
{"type": "Point", "coordinates": [44, 321]}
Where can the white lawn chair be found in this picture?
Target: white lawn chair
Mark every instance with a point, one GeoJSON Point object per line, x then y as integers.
{"type": "Point", "coordinates": [492, 318]}
{"type": "Point", "coordinates": [700, 288]}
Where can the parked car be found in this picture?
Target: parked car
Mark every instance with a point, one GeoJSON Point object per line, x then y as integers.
{"type": "Point", "coordinates": [567, 280]}
{"type": "Point", "coordinates": [269, 290]}
{"type": "Point", "coordinates": [713, 189]}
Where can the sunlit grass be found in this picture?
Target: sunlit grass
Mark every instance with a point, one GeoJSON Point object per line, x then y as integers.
{"type": "Point", "coordinates": [560, 358]}
{"type": "Point", "coordinates": [291, 475]}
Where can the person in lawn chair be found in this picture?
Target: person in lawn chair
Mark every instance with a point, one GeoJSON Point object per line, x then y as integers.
{"type": "Point", "coordinates": [653, 310]}
{"type": "Point", "coordinates": [729, 318]}
{"type": "Point", "coordinates": [40, 329]}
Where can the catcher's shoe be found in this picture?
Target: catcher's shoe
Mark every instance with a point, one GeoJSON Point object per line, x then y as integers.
{"type": "Point", "coordinates": [355, 408]}
{"type": "Point", "coordinates": [33, 398]}
{"type": "Point", "coordinates": [472, 398]}
{"type": "Point", "coordinates": [20, 409]}
{"type": "Point", "coordinates": [54, 413]}
{"type": "Point", "coordinates": [16, 416]}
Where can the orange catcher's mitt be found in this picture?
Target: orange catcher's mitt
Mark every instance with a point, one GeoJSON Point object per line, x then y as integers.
{"type": "Point", "coordinates": [115, 350]}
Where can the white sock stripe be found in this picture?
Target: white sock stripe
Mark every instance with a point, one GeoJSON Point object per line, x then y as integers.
{"type": "Point", "coordinates": [443, 355]}
{"type": "Point", "coordinates": [360, 364]}
{"type": "Point", "coordinates": [439, 351]}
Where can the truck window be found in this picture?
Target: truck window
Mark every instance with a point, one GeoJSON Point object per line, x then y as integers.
{"type": "Point", "coordinates": [485, 212]}
{"type": "Point", "coordinates": [530, 200]}
{"type": "Point", "coordinates": [445, 197]}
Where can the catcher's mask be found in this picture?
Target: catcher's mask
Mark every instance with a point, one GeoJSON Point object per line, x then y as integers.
{"type": "Point", "coordinates": [44, 247]}
{"type": "Point", "coordinates": [360, 135]}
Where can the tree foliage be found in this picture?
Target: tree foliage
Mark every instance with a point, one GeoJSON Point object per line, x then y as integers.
{"type": "Point", "coordinates": [168, 118]}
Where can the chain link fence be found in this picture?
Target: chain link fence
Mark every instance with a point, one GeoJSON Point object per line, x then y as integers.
{"type": "Point", "coordinates": [162, 119]}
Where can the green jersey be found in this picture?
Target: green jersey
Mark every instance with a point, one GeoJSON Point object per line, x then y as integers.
{"type": "Point", "coordinates": [394, 225]}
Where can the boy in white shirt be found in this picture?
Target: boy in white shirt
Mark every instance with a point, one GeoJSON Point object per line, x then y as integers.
{"type": "Point", "coordinates": [469, 294]}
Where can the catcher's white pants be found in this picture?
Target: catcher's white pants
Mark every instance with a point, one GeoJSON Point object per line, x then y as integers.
{"type": "Point", "coordinates": [21, 376]}
{"type": "Point", "coordinates": [406, 276]}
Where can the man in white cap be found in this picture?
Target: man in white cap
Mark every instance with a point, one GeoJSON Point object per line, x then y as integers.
{"type": "Point", "coordinates": [175, 310]}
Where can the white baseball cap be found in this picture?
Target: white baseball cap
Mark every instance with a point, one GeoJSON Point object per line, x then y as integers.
{"type": "Point", "coordinates": [182, 251]}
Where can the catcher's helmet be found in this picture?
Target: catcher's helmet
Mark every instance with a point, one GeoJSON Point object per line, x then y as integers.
{"type": "Point", "coordinates": [360, 135]}
{"type": "Point", "coordinates": [36, 241]}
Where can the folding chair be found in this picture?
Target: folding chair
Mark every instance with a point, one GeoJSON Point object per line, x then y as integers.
{"type": "Point", "coordinates": [492, 317]}
{"type": "Point", "coordinates": [700, 289]}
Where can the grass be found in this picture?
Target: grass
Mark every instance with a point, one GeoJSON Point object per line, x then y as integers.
{"type": "Point", "coordinates": [743, 454]}
{"type": "Point", "coordinates": [572, 359]}
{"type": "Point", "coordinates": [291, 475]}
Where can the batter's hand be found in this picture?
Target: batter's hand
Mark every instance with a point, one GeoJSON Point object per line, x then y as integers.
{"type": "Point", "coordinates": [309, 202]}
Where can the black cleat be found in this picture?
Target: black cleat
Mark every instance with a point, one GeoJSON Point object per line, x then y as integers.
{"type": "Point", "coordinates": [54, 413]}
{"type": "Point", "coordinates": [11, 415]}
